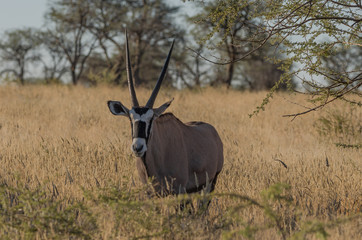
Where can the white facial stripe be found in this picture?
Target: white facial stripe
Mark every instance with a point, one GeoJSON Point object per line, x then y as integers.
{"type": "Point", "coordinates": [147, 116]}
{"type": "Point", "coordinates": [144, 117]}
{"type": "Point", "coordinates": [134, 115]}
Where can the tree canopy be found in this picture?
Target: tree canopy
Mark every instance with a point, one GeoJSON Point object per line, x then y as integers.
{"type": "Point", "coordinates": [309, 34]}
{"type": "Point", "coordinates": [17, 49]}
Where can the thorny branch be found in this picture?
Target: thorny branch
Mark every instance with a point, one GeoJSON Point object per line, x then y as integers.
{"type": "Point", "coordinates": [340, 95]}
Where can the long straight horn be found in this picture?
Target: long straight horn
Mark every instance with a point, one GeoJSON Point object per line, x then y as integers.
{"type": "Point", "coordinates": [152, 99]}
{"type": "Point", "coordinates": [129, 76]}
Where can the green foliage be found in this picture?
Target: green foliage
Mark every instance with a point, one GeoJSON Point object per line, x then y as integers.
{"type": "Point", "coordinates": [319, 228]}
{"type": "Point", "coordinates": [230, 30]}
{"type": "Point", "coordinates": [308, 34]}
{"type": "Point", "coordinates": [137, 213]}
{"type": "Point", "coordinates": [270, 199]}
{"type": "Point", "coordinates": [130, 210]}
{"type": "Point", "coordinates": [282, 214]}
{"type": "Point", "coordinates": [30, 213]}
{"type": "Point", "coordinates": [133, 213]}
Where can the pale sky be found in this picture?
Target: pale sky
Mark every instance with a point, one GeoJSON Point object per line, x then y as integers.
{"type": "Point", "coordinates": [21, 13]}
{"type": "Point", "coordinates": [29, 13]}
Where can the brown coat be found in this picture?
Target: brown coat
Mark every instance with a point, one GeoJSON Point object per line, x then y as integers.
{"type": "Point", "coordinates": [181, 157]}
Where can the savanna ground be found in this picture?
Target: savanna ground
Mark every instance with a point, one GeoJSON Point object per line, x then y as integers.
{"type": "Point", "coordinates": [67, 171]}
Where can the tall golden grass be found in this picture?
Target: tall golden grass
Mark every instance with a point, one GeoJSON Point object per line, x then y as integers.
{"type": "Point", "coordinates": [67, 170]}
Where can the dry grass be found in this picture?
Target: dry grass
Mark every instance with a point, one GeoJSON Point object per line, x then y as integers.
{"type": "Point", "coordinates": [67, 169]}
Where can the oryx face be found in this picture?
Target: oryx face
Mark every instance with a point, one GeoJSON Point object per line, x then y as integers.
{"type": "Point", "coordinates": [141, 122]}
{"type": "Point", "coordinates": [141, 117]}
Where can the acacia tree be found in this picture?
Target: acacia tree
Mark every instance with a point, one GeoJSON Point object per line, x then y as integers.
{"type": "Point", "coordinates": [19, 48]}
{"type": "Point", "coordinates": [150, 29]}
{"type": "Point", "coordinates": [309, 31]}
{"type": "Point", "coordinates": [189, 69]}
{"type": "Point", "coordinates": [67, 23]}
{"type": "Point", "coordinates": [232, 37]}
{"type": "Point", "coordinates": [54, 60]}
{"type": "Point", "coordinates": [344, 61]}
{"type": "Point", "coordinates": [107, 27]}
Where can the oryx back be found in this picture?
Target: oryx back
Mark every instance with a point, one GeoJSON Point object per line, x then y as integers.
{"type": "Point", "coordinates": [182, 157]}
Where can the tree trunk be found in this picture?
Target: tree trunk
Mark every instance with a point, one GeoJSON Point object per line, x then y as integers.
{"type": "Point", "coordinates": [74, 76]}
{"type": "Point", "coordinates": [21, 76]}
{"type": "Point", "coordinates": [232, 51]}
{"type": "Point", "coordinates": [137, 62]}
{"type": "Point", "coordinates": [118, 70]}
{"type": "Point", "coordinates": [230, 73]}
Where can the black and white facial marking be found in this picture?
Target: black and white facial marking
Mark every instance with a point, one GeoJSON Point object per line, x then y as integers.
{"type": "Point", "coordinates": [141, 122]}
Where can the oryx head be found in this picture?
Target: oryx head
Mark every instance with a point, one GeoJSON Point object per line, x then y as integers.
{"type": "Point", "coordinates": [141, 117]}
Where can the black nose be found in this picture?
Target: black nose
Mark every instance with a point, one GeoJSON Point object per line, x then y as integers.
{"type": "Point", "coordinates": [137, 147]}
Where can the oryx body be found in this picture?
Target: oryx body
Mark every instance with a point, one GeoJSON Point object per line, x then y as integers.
{"type": "Point", "coordinates": [179, 157]}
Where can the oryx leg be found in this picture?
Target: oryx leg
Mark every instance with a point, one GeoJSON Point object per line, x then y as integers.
{"type": "Point", "coordinates": [185, 203]}
{"type": "Point", "coordinates": [209, 188]}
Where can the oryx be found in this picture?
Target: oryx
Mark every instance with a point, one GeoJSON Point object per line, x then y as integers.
{"type": "Point", "coordinates": [179, 157]}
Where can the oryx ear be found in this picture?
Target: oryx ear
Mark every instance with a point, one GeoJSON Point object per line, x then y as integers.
{"type": "Point", "coordinates": [117, 108]}
{"type": "Point", "coordinates": [158, 111]}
